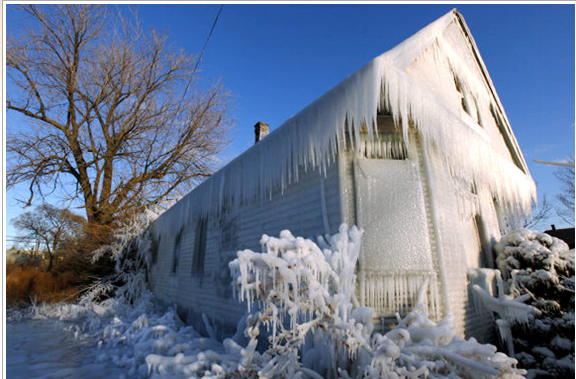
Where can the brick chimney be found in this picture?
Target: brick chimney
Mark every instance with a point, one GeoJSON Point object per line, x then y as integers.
{"type": "Point", "coordinates": [261, 130]}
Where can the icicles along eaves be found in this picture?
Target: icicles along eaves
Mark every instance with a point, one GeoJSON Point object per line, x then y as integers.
{"type": "Point", "coordinates": [311, 139]}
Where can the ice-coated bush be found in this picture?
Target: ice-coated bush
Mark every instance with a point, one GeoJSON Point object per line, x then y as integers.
{"type": "Point", "coordinates": [130, 252]}
{"type": "Point", "coordinates": [540, 268]}
{"type": "Point", "coordinates": [304, 294]}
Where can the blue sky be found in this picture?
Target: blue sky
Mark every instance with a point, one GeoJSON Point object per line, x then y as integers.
{"type": "Point", "coordinates": [276, 59]}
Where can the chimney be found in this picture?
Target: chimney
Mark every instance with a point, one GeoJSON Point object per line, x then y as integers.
{"type": "Point", "coordinates": [261, 130]}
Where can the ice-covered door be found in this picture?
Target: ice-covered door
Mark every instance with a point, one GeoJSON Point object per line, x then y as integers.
{"type": "Point", "coordinates": [390, 208]}
{"type": "Point", "coordinates": [395, 257]}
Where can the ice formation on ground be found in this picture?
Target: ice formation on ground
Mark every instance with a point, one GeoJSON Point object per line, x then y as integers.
{"type": "Point", "coordinates": [540, 269]}
{"type": "Point", "coordinates": [316, 329]}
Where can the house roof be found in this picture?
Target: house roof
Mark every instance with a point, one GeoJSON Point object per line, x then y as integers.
{"type": "Point", "coordinates": [313, 137]}
{"type": "Point", "coordinates": [566, 235]}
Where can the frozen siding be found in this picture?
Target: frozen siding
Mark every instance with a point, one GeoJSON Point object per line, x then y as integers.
{"type": "Point", "coordinates": [299, 209]}
{"type": "Point", "coordinates": [479, 321]}
{"type": "Point", "coordinates": [464, 218]}
{"type": "Point", "coordinates": [449, 245]}
{"type": "Point", "coordinates": [435, 84]}
{"type": "Point", "coordinates": [471, 319]}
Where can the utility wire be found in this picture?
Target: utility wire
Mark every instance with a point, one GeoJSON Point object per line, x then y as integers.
{"type": "Point", "coordinates": [208, 39]}
{"type": "Point", "coordinates": [201, 54]}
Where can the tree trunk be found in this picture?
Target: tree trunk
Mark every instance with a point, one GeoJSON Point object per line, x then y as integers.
{"type": "Point", "coordinates": [50, 261]}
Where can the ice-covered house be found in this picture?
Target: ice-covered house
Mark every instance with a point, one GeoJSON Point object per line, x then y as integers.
{"type": "Point", "coordinates": [415, 147]}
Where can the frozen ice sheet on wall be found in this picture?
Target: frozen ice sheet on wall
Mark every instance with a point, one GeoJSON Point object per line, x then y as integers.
{"type": "Point", "coordinates": [391, 210]}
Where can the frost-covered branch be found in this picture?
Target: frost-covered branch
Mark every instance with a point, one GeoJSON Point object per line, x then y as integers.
{"type": "Point", "coordinates": [129, 251]}
{"type": "Point", "coordinates": [300, 288]}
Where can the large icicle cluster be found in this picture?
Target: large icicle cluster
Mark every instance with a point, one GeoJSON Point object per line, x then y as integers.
{"type": "Point", "coordinates": [540, 269]}
{"type": "Point", "coordinates": [312, 138]}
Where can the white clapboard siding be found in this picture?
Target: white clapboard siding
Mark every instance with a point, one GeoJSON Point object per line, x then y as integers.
{"type": "Point", "coordinates": [299, 209]}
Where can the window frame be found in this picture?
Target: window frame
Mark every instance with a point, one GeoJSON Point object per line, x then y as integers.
{"type": "Point", "coordinates": [200, 243]}
{"type": "Point", "coordinates": [176, 253]}
{"type": "Point", "coordinates": [387, 132]}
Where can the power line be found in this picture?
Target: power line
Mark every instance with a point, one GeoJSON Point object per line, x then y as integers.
{"type": "Point", "coordinates": [201, 55]}
{"type": "Point", "coordinates": [208, 39]}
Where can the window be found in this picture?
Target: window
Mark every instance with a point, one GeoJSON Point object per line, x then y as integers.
{"type": "Point", "coordinates": [478, 115]}
{"type": "Point", "coordinates": [487, 258]}
{"type": "Point", "coordinates": [228, 240]}
{"type": "Point", "coordinates": [199, 248]}
{"type": "Point", "coordinates": [506, 136]}
{"type": "Point", "coordinates": [176, 253]}
{"type": "Point", "coordinates": [387, 144]}
{"type": "Point", "coordinates": [459, 88]}
{"type": "Point", "coordinates": [469, 106]}
{"type": "Point", "coordinates": [154, 246]}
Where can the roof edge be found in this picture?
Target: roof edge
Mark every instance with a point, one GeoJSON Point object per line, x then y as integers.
{"type": "Point", "coordinates": [488, 79]}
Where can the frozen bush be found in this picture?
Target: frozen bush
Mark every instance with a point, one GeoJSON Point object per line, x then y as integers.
{"type": "Point", "coordinates": [130, 252]}
{"type": "Point", "coordinates": [305, 296]}
{"type": "Point", "coordinates": [541, 268]}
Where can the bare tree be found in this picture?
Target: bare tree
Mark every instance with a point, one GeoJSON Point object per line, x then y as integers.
{"type": "Point", "coordinates": [540, 215]}
{"type": "Point", "coordinates": [115, 111]}
{"type": "Point", "coordinates": [49, 227]}
{"type": "Point", "coordinates": [566, 198]}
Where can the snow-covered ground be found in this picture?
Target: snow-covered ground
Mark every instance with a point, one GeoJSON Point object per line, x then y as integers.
{"type": "Point", "coordinates": [116, 340]}
{"type": "Point", "coordinates": [42, 349]}
{"type": "Point", "coordinates": [111, 339]}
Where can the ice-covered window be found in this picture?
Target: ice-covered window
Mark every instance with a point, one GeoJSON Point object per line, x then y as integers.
{"type": "Point", "coordinates": [154, 246]}
{"type": "Point", "coordinates": [505, 136]}
{"type": "Point", "coordinates": [176, 253]}
{"type": "Point", "coordinates": [387, 144]}
{"type": "Point", "coordinates": [486, 259]}
{"type": "Point", "coordinates": [460, 89]}
{"type": "Point", "coordinates": [478, 115]}
{"type": "Point", "coordinates": [199, 247]}
{"type": "Point", "coordinates": [228, 230]}
{"type": "Point", "coordinates": [468, 101]}
{"type": "Point", "coordinates": [503, 223]}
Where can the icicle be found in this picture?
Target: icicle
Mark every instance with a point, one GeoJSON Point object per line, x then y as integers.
{"type": "Point", "coordinates": [311, 139]}
{"type": "Point", "coordinates": [390, 292]}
